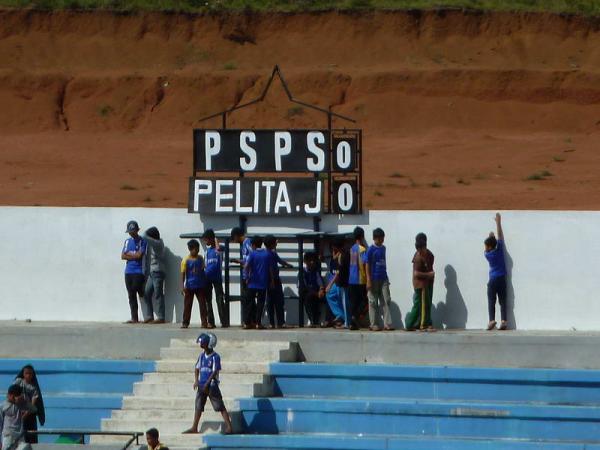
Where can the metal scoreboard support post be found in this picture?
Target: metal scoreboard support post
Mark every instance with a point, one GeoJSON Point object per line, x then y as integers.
{"type": "Point", "coordinates": [337, 176]}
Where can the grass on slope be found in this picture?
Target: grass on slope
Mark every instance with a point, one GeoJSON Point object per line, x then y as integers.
{"type": "Point", "coordinates": [583, 7]}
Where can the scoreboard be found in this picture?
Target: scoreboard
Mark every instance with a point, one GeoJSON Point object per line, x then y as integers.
{"type": "Point", "coordinates": [296, 172]}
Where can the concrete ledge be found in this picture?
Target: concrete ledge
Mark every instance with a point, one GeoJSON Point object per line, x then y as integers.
{"type": "Point", "coordinates": [93, 340]}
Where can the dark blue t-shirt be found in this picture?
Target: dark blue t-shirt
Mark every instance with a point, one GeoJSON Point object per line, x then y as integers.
{"type": "Point", "coordinates": [258, 266]}
{"type": "Point", "coordinates": [131, 246]}
{"type": "Point", "coordinates": [193, 268]}
{"type": "Point", "coordinates": [275, 261]}
{"type": "Point", "coordinates": [313, 279]}
{"type": "Point", "coordinates": [376, 261]}
{"type": "Point", "coordinates": [207, 364]}
{"type": "Point", "coordinates": [213, 264]}
{"type": "Point", "coordinates": [496, 259]}
{"type": "Point", "coordinates": [246, 250]}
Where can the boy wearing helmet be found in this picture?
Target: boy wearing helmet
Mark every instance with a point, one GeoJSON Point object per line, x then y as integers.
{"type": "Point", "coordinates": [206, 382]}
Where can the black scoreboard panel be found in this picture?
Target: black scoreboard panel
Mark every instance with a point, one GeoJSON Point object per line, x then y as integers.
{"type": "Point", "coordinates": [276, 172]}
{"type": "Point", "coordinates": [256, 196]}
{"type": "Point", "coordinates": [261, 150]}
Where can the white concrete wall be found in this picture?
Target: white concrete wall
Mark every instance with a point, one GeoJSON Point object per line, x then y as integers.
{"type": "Point", "coordinates": [64, 263]}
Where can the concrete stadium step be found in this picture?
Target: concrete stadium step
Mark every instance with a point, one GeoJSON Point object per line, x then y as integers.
{"type": "Point", "coordinates": [186, 403]}
{"type": "Point", "coordinates": [438, 383]}
{"type": "Point", "coordinates": [188, 377]}
{"type": "Point", "coordinates": [213, 425]}
{"type": "Point", "coordinates": [181, 390]}
{"type": "Point", "coordinates": [172, 440]}
{"type": "Point", "coordinates": [262, 353]}
{"type": "Point", "coordinates": [400, 417]}
{"type": "Point", "coordinates": [187, 366]}
{"type": "Point", "coordinates": [319, 441]}
{"type": "Point", "coordinates": [231, 344]}
{"type": "Point", "coordinates": [163, 414]}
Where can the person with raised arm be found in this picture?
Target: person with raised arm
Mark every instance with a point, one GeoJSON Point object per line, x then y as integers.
{"type": "Point", "coordinates": [496, 287]}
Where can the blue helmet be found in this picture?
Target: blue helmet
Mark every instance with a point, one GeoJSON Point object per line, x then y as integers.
{"type": "Point", "coordinates": [208, 339]}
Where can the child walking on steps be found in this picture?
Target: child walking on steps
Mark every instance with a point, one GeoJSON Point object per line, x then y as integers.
{"type": "Point", "coordinates": [206, 383]}
{"type": "Point", "coordinates": [494, 253]}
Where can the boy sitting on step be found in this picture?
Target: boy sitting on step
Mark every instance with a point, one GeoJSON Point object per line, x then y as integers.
{"type": "Point", "coordinates": [206, 384]}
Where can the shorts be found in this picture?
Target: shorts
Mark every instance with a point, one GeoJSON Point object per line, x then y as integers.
{"type": "Point", "coordinates": [214, 394]}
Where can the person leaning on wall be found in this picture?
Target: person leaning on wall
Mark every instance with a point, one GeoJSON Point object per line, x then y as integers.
{"type": "Point", "coordinates": [154, 296]}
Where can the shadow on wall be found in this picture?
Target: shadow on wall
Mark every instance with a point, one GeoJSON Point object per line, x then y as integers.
{"type": "Point", "coordinates": [510, 291]}
{"type": "Point", "coordinates": [453, 313]}
{"type": "Point", "coordinates": [396, 315]}
{"type": "Point", "coordinates": [173, 297]}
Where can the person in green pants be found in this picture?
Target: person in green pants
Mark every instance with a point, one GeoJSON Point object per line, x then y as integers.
{"type": "Point", "coordinates": [419, 318]}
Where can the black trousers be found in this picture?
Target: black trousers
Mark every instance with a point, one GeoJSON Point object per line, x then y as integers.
{"type": "Point", "coordinates": [255, 305]}
{"type": "Point", "coordinates": [275, 305]}
{"type": "Point", "coordinates": [312, 305]}
{"type": "Point", "coordinates": [496, 288]}
{"type": "Point", "coordinates": [357, 295]}
{"type": "Point", "coordinates": [30, 424]}
{"type": "Point", "coordinates": [220, 299]}
{"type": "Point", "coordinates": [135, 284]}
{"type": "Point", "coordinates": [243, 295]}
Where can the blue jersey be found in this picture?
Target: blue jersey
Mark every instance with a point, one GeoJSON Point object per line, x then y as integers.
{"type": "Point", "coordinates": [246, 250]}
{"type": "Point", "coordinates": [214, 262]}
{"type": "Point", "coordinates": [496, 259]}
{"type": "Point", "coordinates": [207, 364]}
{"type": "Point", "coordinates": [258, 266]}
{"type": "Point", "coordinates": [194, 272]}
{"type": "Point", "coordinates": [358, 274]}
{"type": "Point", "coordinates": [376, 261]}
{"type": "Point", "coordinates": [130, 247]}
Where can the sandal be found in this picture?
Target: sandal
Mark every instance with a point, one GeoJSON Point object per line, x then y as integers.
{"type": "Point", "coordinates": [491, 325]}
{"type": "Point", "coordinates": [374, 328]}
{"type": "Point", "coordinates": [503, 325]}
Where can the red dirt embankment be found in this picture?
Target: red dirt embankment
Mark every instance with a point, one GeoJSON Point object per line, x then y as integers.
{"type": "Point", "coordinates": [458, 109]}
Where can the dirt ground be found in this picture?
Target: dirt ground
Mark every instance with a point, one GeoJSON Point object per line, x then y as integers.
{"type": "Point", "coordinates": [459, 110]}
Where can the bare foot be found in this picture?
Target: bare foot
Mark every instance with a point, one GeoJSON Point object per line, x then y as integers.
{"type": "Point", "coordinates": [190, 431]}
{"type": "Point", "coordinates": [491, 325]}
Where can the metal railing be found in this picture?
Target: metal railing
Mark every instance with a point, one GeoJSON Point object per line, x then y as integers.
{"type": "Point", "coordinates": [83, 433]}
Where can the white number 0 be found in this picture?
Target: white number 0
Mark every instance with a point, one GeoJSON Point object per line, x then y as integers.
{"type": "Point", "coordinates": [344, 156]}
{"type": "Point", "coordinates": [345, 197]}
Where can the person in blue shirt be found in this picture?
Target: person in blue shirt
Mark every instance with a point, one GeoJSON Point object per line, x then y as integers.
{"type": "Point", "coordinates": [378, 283]}
{"type": "Point", "coordinates": [357, 279]}
{"type": "Point", "coordinates": [257, 271]}
{"type": "Point", "coordinates": [134, 250]}
{"type": "Point", "coordinates": [312, 291]}
{"type": "Point", "coordinates": [214, 277]}
{"type": "Point", "coordinates": [494, 253]}
{"type": "Point", "coordinates": [206, 383]}
{"type": "Point", "coordinates": [275, 300]}
{"type": "Point", "coordinates": [193, 283]}
{"type": "Point", "coordinates": [239, 237]}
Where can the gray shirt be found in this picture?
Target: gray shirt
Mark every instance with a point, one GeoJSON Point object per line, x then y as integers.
{"type": "Point", "coordinates": [11, 417]}
{"type": "Point", "coordinates": [156, 253]}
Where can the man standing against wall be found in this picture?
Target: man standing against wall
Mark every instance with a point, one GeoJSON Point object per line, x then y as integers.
{"type": "Point", "coordinates": [154, 296]}
{"type": "Point", "coordinates": [134, 250]}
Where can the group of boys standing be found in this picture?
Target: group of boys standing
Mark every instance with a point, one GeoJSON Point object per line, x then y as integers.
{"type": "Point", "coordinates": [357, 277]}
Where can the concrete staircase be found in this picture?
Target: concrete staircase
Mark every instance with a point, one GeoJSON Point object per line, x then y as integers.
{"type": "Point", "coordinates": [165, 398]}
